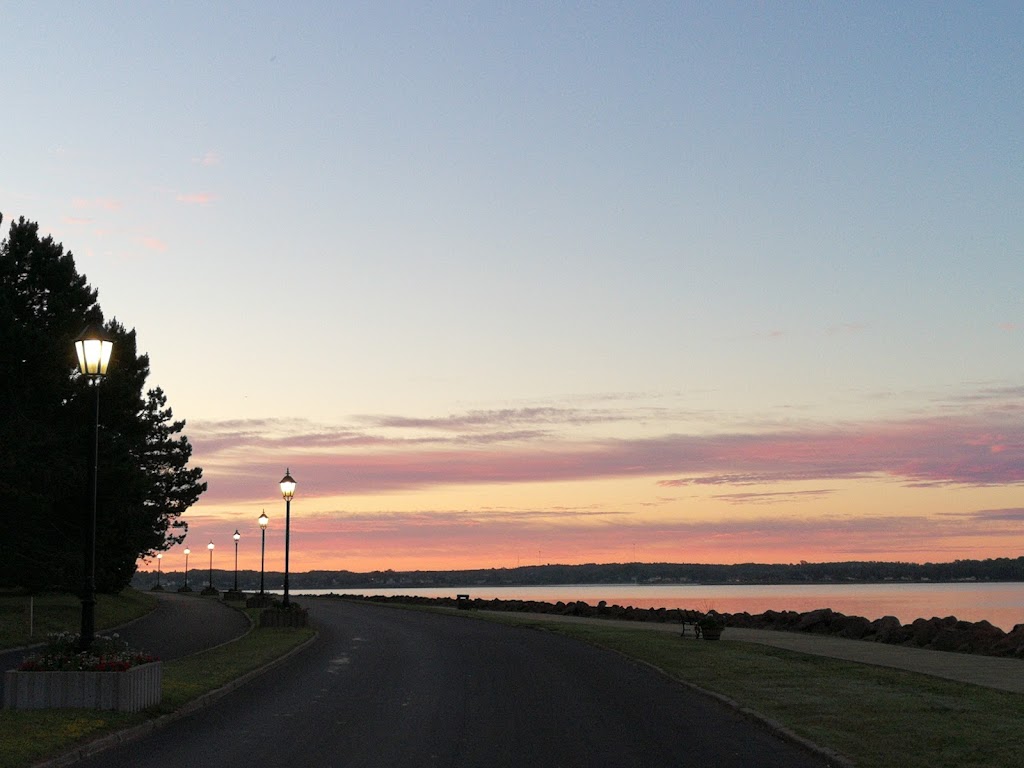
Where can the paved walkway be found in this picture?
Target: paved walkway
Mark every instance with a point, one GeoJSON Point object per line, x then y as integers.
{"type": "Point", "coordinates": [1004, 674]}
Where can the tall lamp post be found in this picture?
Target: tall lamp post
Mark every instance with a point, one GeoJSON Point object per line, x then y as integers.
{"type": "Point", "coordinates": [287, 491]}
{"type": "Point", "coordinates": [93, 347]}
{"type": "Point", "coordinates": [210, 547]}
{"type": "Point", "coordinates": [159, 557]}
{"type": "Point", "coordinates": [263, 545]}
{"type": "Point", "coordinates": [236, 536]}
{"type": "Point", "coordinates": [187, 553]}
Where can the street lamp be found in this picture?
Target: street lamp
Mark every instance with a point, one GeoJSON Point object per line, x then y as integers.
{"type": "Point", "coordinates": [159, 557]}
{"type": "Point", "coordinates": [263, 520]}
{"type": "Point", "coordinates": [187, 553]}
{"type": "Point", "coordinates": [93, 347]}
{"type": "Point", "coordinates": [287, 491]}
{"type": "Point", "coordinates": [210, 547]}
{"type": "Point", "coordinates": [236, 536]}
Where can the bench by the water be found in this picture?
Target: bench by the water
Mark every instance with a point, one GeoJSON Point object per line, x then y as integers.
{"type": "Point", "coordinates": [691, 629]}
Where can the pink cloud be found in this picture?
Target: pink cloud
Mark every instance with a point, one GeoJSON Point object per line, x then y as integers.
{"type": "Point", "coordinates": [773, 497]}
{"type": "Point", "coordinates": [153, 244]}
{"type": "Point", "coordinates": [463, 539]}
{"type": "Point", "coordinates": [211, 158]}
{"type": "Point", "coordinates": [196, 198]}
{"type": "Point", "coordinates": [103, 203]}
{"type": "Point", "coordinates": [983, 448]}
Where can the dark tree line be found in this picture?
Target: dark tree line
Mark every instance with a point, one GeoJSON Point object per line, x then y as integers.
{"type": "Point", "coordinates": [855, 572]}
{"type": "Point", "coordinates": [47, 423]}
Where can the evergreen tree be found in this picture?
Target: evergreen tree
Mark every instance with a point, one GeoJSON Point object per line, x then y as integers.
{"type": "Point", "coordinates": [47, 423]}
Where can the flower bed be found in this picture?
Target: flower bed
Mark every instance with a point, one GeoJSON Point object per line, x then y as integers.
{"type": "Point", "coordinates": [108, 654]}
{"type": "Point", "coordinates": [109, 676]}
{"type": "Point", "coordinates": [127, 691]}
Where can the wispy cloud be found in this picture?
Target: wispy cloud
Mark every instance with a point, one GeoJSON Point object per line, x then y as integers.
{"type": "Point", "coordinates": [774, 497]}
{"type": "Point", "coordinates": [208, 159]}
{"type": "Point", "coordinates": [196, 198]}
{"type": "Point", "coordinates": [389, 453]}
{"type": "Point", "coordinates": [1011, 514]}
{"type": "Point", "coordinates": [101, 203]}
{"type": "Point", "coordinates": [153, 243]}
{"type": "Point", "coordinates": [845, 328]}
{"type": "Point", "coordinates": [459, 538]}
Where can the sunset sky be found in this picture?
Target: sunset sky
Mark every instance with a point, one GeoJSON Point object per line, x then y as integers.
{"type": "Point", "coordinates": [518, 283]}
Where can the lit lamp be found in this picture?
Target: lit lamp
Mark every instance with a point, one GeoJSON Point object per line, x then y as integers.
{"type": "Point", "coordinates": [210, 547]}
{"type": "Point", "coordinates": [159, 557]}
{"type": "Point", "coordinates": [263, 545]}
{"type": "Point", "coordinates": [287, 491]}
{"type": "Point", "coordinates": [93, 347]}
{"type": "Point", "coordinates": [187, 553]}
{"type": "Point", "coordinates": [236, 536]}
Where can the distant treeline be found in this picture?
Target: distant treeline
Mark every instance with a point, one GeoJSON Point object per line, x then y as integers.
{"type": "Point", "coordinates": [998, 569]}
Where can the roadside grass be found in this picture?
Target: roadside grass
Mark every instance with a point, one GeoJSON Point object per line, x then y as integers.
{"type": "Point", "coordinates": [190, 677]}
{"type": "Point", "coordinates": [30, 736]}
{"type": "Point", "coordinates": [875, 716]}
{"type": "Point", "coordinates": [63, 612]}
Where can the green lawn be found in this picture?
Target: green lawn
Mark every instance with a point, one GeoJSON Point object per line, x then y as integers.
{"type": "Point", "coordinates": [55, 613]}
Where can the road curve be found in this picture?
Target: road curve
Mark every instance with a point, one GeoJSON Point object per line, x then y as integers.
{"type": "Point", "coordinates": [385, 687]}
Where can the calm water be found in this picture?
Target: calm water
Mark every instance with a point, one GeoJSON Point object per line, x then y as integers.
{"type": "Point", "coordinates": [1001, 604]}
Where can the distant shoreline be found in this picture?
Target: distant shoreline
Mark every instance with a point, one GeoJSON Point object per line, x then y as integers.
{"type": "Point", "coordinates": [996, 570]}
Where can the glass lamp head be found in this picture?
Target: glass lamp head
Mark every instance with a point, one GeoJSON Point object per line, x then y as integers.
{"type": "Point", "coordinates": [93, 347]}
{"type": "Point", "coordinates": [287, 485]}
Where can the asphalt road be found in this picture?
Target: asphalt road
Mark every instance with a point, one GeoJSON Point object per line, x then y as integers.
{"type": "Point", "coordinates": [384, 687]}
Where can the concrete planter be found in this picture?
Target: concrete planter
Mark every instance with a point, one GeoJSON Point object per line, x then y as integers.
{"type": "Point", "coordinates": [128, 691]}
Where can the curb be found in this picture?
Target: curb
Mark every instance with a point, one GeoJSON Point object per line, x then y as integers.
{"type": "Point", "coordinates": [126, 735]}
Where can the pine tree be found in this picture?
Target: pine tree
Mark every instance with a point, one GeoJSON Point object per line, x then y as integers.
{"type": "Point", "coordinates": [47, 422]}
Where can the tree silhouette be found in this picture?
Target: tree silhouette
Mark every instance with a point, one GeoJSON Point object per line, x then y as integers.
{"type": "Point", "coordinates": [47, 419]}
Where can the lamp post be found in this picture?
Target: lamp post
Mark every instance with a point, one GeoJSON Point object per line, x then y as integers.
{"type": "Point", "coordinates": [93, 347]}
{"type": "Point", "coordinates": [287, 491]}
{"type": "Point", "coordinates": [210, 547]}
{"type": "Point", "coordinates": [236, 536]}
{"type": "Point", "coordinates": [159, 557]}
{"type": "Point", "coordinates": [263, 520]}
{"type": "Point", "coordinates": [187, 553]}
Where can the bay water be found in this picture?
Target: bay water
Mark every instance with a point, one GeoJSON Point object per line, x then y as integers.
{"type": "Point", "coordinates": [1001, 604]}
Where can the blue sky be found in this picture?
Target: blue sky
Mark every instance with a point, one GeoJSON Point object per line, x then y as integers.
{"type": "Point", "coordinates": [348, 230]}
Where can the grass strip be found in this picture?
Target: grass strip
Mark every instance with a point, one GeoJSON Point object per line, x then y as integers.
{"type": "Point", "coordinates": [49, 613]}
{"type": "Point", "coordinates": [876, 716]}
{"type": "Point", "coordinates": [29, 736]}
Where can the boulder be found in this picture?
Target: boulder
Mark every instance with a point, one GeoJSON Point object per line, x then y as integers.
{"type": "Point", "coordinates": [853, 627]}
{"type": "Point", "coordinates": [887, 629]}
{"type": "Point", "coordinates": [819, 622]}
{"type": "Point", "coordinates": [1012, 644]}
